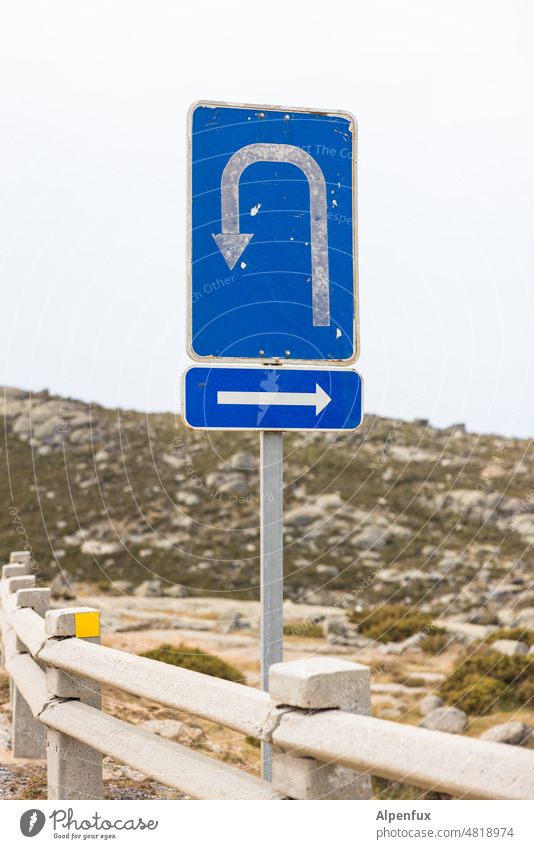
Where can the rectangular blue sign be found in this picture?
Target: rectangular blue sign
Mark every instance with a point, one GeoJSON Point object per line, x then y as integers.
{"type": "Point", "coordinates": [256, 398]}
{"type": "Point", "coordinates": [272, 250]}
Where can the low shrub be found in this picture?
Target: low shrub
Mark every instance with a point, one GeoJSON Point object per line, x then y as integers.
{"type": "Point", "coordinates": [391, 623]}
{"type": "Point", "coordinates": [436, 641]}
{"type": "Point", "coordinates": [304, 629]}
{"type": "Point", "coordinates": [197, 660]}
{"type": "Point", "coordinates": [524, 635]}
{"type": "Point", "coordinates": [488, 681]}
{"type": "Point", "coordinates": [4, 687]}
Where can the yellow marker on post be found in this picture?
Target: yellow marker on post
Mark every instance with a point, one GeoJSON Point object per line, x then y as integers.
{"type": "Point", "coordinates": [87, 624]}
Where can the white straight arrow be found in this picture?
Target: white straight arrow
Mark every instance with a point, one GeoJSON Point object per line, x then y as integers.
{"type": "Point", "coordinates": [318, 399]}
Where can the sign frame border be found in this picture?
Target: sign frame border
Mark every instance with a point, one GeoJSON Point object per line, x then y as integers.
{"type": "Point", "coordinates": [278, 361]}
{"type": "Point", "coordinates": [255, 367]}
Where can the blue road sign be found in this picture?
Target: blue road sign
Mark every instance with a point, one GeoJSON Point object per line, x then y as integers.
{"type": "Point", "coordinates": [255, 398]}
{"type": "Point", "coordinates": [272, 246]}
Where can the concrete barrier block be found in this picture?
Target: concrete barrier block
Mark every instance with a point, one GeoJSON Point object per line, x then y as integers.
{"type": "Point", "coordinates": [21, 557]}
{"type": "Point", "coordinates": [321, 682]}
{"type": "Point", "coordinates": [20, 582]}
{"type": "Point", "coordinates": [82, 622]}
{"type": "Point", "coordinates": [36, 599]}
{"type": "Point", "coordinates": [29, 735]}
{"type": "Point", "coordinates": [67, 686]}
{"type": "Point", "coordinates": [12, 570]}
{"type": "Point", "coordinates": [74, 769]}
{"type": "Point", "coordinates": [307, 778]}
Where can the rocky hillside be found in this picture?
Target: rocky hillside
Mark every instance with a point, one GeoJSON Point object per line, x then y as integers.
{"type": "Point", "coordinates": [400, 510]}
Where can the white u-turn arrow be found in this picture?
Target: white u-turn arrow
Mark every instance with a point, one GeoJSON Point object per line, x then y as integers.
{"type": "Point", "coordinates": [232, 243]}
{"type": "Point", "coordinates": [318, 399]}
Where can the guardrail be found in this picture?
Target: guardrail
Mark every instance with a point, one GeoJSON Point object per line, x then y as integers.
{"type": "Point", "coordinates": [316, 717]}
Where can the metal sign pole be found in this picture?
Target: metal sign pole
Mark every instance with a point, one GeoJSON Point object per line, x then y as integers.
{"type": "Point", "coordinates": [272, 564]}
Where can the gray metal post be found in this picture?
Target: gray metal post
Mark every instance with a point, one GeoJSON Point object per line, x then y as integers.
{"type": "Point", "coordinates": [272, 564]}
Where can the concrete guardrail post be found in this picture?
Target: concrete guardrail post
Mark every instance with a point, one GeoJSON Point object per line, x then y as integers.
{"type": "Point", "coordinates": [74, 768]}
{"type": "Point", "coordinates": [29, 735]}
{"type": "Point", "coordinates": [20, 563]}
{"type": "Point", "coordinates": [21, 557]}
{"type": "Point", "coordinates": [319, 683]}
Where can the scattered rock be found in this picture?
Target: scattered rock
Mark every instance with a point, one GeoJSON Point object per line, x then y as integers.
{"type": "Point", "coordinates": [232, 620]}
{"type": "Point", "coordinates": [325, 569]}
{"type": "Point", "coordinates": [373, 537]}
{"type": "Point", "coordinates": [149, 589]}
{"type": "Point", "coordinates": [514, 733]}
{"type": "Point", "coordinates": [122, 586]}
{"type": "Point", "coordinates": [235, 484]}
{"type": "Point", "coordinates": [329, 501]}
{"type": "Point", "coordinates": [449, 719]}
{"type": "Point", "coordinates": [61, 586]}
{"type": "Point", "coordinates": [172, 729]}
{"type": "Point", "coordinates": [176, 591]}
{"type": "Point", "coordinates": [510, 647]}
{"type": "Point", "coordinates": [305, 516]}
{"type": "Point", "coordinates": [245, 461]}
{"type": "Point", "coordinates": [190, 499]}
{"type": "Point", "coordinates": [429, 704]}
{"type": "Point", "coordinates": [97, 547]}
{"type": "Point", "coordinates": [13, 392]}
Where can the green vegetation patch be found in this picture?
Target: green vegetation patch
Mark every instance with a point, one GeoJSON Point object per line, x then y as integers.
{"type": "Point", "coordinates": [524, 635]}
{"type": "Point", "coordinates": [304, 629]}
{"type": "Point", "coordinates": [391, 623]}
{"type": "Point", "coordinates": [197, 660]}
{"type": "Point", "coordinates": [489, 681]}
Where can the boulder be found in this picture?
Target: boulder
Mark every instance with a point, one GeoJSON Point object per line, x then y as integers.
{"type": "Point", "coordinates": [338, 626]}
{"type": "Point", "coordinates": [372, 537]}
{"type": "Point", "coordinates": [429, 704]}
{"type": "Point", "coordinates": [13, 392]}
{"type": "Point", "coordinates": [45, 412]}
{"type": "Point", "coordinates": [48, 431]}
{"type": "Point", "coordinates": [98, 547]}
{"type": "Point", "coordinates": [305, 516]}
{"type": "Point", "coordinates": [510, 647]}
{"type": "Point", "coordinates": [190, 499]}
{"type": "Point", "coordinates": [149, 589]}
{"type": "Point", "coordinates": [449, 719]}
{"type": "Point", "coordinates": [22, 425]}
{"type": "Point", "coordinates": [329, 501]}
{"type": "Point", "coordinates": [172, 729]}
{"type": "Point", "coordinates": [176, 591]}
{"type": "Point", "coordinates": [245, 461]}
{"type": "Point", "coordinates": [61, 587]}
{"type": "Point", "coordinates": [513, 733]}
{"type": "Point", "coordinates": [80, 436]}
{"type": "Point", "coordinates": [232, 620]}
{"type": "Point", "coordinates": [325, 569]}
{"type": "Point", "coordinates": [234, 484]}
{"type": "Point", "coordinates": [122, 586]}
{"type": "Point", "coordinates": [79, 419]}
{"type": "Point", "coordinates": [13, 408]}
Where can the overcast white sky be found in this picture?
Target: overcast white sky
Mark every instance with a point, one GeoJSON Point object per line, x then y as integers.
{"type": "Point", "coordinates": [92, 215]}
